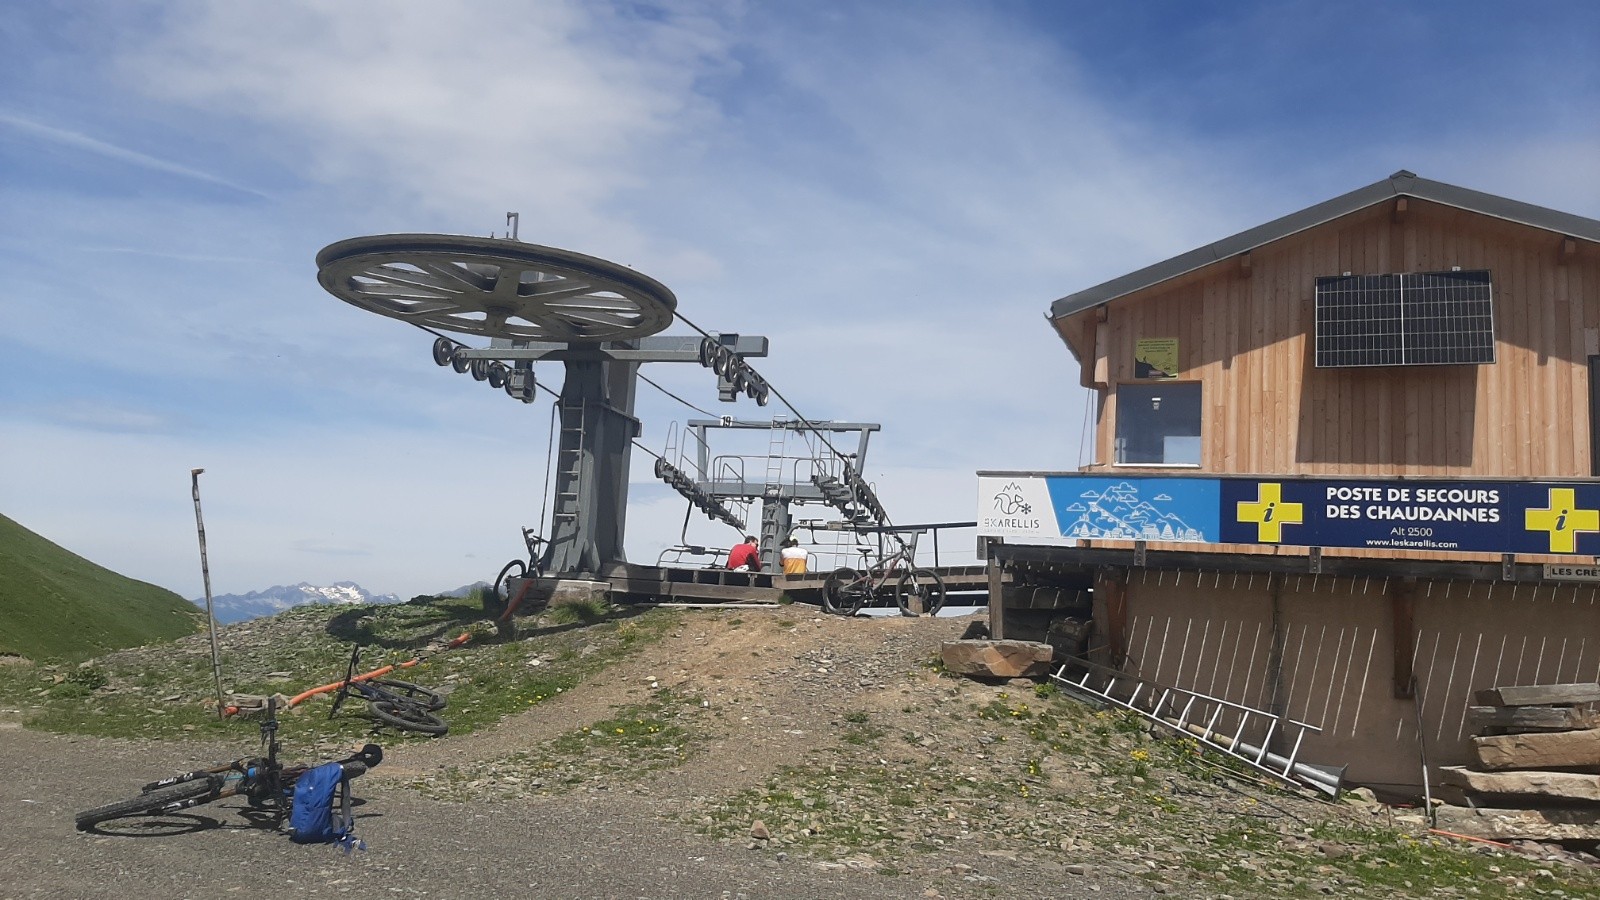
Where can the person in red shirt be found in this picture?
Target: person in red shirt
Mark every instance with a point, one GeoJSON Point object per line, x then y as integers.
{"type": "Point", "coordinates": [745, 557]}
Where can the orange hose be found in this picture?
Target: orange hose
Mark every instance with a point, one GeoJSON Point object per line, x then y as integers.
{"type": "Point", "coordinates": [1468, 837]}
{"type": "Point", "coordinates": [511, 607]}
{"type": "Point", "coordinates": [303, 696]}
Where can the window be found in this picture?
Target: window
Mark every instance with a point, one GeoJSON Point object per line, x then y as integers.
{"type": "Point", "coordinates": [1158, 424]}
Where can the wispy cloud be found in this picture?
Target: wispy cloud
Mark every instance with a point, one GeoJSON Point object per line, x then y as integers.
{"type": "Point", "coordinates": [92, 416]}
{"type": "Point", "coordinates": [893, 192]}
{"type": "Point", "coordinates": [79, 141]}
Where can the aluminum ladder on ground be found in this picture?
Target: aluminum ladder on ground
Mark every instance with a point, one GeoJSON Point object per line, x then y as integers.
{"type": "Point", "coordinates": [1200, 716]}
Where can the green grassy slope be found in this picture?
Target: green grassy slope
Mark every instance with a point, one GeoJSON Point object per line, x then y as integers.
{"type": "Point", "coordinates": [54, 603]}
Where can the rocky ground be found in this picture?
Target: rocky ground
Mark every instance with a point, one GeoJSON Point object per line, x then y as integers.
{"type": "Point", "coordinates": [760, 752]}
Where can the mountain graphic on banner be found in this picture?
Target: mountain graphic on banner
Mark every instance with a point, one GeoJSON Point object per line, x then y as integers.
{"type": "Point", "coordinates": [1118, 513]}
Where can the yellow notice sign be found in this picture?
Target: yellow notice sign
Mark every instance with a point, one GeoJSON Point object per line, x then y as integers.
{"type": "Point", "coordinates": [1155, 358]}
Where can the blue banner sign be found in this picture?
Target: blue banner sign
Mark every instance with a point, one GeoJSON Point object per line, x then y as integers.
{"type": "Point", "coordinates": [1415, 514]}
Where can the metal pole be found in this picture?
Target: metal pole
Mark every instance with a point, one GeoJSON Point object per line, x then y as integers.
{"type": "Point", "coordinates": [205, 574]}
{"type": "Point", "coordinates": [1422, 751]}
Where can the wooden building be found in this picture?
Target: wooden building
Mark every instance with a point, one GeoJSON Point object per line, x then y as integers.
{"type": "Point", "coordinates": [1343, 470]}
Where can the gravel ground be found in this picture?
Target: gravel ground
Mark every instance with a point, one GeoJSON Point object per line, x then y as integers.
{"type": "Point", "coordinates": [768, 705]}
{"type": "Point", "coordinates": [745, 753]}
{"type": "Point", "coordinates": [603, 848]}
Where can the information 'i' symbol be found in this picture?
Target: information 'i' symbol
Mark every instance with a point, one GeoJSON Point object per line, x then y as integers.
{"type": "Point", "coordinates": [1563, 520]}
{"type": "Point", "coordinates": [1267, 516]}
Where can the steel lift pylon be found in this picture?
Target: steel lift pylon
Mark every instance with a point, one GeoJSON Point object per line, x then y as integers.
{"type": "Point", "coordinates": [599, 318]}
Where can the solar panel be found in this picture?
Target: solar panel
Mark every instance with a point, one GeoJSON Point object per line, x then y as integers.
{"type": "Point", "coordinates": [1411, 319]}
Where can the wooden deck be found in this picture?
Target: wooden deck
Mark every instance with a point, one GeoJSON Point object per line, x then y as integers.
{"type": "Point", "coordinates": [641, 583]}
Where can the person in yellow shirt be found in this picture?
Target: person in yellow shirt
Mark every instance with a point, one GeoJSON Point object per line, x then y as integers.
{"type": "Point", "coordinates": [794, 557]}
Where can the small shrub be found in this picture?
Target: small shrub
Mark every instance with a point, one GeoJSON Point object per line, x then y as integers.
{"type": "Point", "coordinates": [90, 678]}
{"type": "Point", "coordinates": [586, 611]}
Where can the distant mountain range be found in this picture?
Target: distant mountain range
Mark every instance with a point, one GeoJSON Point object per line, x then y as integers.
{"type": "Point", "coordinates": [239, 607]}
{"type": "Point", "coordinates": [232, 608]}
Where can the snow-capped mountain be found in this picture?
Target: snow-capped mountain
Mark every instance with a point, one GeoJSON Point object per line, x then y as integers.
{"type": "Point", "coordinates": [239, 607]}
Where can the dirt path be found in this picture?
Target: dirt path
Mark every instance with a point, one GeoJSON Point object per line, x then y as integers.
{"type": "Point", "coordinates": [775, 685]}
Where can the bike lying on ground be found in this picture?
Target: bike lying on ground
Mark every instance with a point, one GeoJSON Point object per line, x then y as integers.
{"type": "Point", "coordinates": [846, 590]}
{"type": "Point", "coordinates": [265, 781]}
{"type": "Point", "coordinates": [404, 705]}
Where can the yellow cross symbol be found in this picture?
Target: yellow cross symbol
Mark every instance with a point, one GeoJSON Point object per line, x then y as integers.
{"type": "Point", "coordinates": [1270, 513]}
{"type": "Point", "coordinates": [1563, 520]}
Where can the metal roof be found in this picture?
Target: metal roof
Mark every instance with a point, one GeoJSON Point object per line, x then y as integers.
{"type": "Point", "coordinates": [1400, 184]}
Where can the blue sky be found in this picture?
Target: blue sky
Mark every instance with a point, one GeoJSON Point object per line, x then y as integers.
{"type": "Point", "coordinates": [892, 192]}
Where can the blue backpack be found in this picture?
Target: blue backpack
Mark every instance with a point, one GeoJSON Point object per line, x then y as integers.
{"type": "Point", "coordinates": [313, 818]}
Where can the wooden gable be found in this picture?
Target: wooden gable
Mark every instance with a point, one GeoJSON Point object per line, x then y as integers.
{"type": "Point", "coordinates": [1244, 328]}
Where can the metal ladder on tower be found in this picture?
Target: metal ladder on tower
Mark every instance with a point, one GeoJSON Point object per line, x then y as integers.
{"type": "Point", "coordinates": [777, 443]}
{"type": "Point", "coordinates": [1202, 717]}
{"type": "Point", "coordinates": [569, 458]}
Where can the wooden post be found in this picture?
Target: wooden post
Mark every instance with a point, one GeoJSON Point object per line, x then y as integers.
{"type": "Point", "coordinates": [1402, 607]}
{"type": "Point", "coordinates": [205, 575]}
{"type": "Point", "coordinates": [1277, 699]}
{"type": "Point", "coordinates": [1112, 585]}
{"type": "Point", "coordinates": [997, 605]}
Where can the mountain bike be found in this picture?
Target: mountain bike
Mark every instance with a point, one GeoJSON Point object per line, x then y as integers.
{"type": "Point", "coordinates": [263, 780]}
{"type": "Point", "coordinates": [498, 597]}
{"type": "Point", "coordinates": [401, 704]}
{"type": "Point", "coordinates": [846, 590]}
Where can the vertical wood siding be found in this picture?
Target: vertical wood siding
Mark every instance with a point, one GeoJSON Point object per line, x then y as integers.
{"type": "Point", "coordinates": [1212, 633]}
{"type": "Point", "coordinates": [1266, 408]}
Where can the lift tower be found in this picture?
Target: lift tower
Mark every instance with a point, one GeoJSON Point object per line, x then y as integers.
{"type": "Point", "coordinates": [600, 319]}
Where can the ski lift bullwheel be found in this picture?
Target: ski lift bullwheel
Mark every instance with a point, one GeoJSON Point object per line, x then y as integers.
{"type": "Point", "coordinates": [495, 288]}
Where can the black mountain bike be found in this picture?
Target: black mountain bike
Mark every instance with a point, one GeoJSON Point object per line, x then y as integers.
{"type": "Point", "coordinates": [846, 590]}
{"type": "Point", "coordinates": [499, 596]}
{"type": "Point", "coordinates": [265, 781]}
{"type": "Point", "coordinates": [404, 705]}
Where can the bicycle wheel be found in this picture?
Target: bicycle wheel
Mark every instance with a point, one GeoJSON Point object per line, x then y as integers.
{"type": "Point", "coordinates": [841, 592]}
{"type": "Point", "coordinates": [407, 716]}
{"type": "Point", "coordinates": [922, 583]}
{"type": "Point", "coordinates": [428, 697]}
{"type": "Point", "coordinates": [495, 599]}
{"type": "Point", "coordinates": [148, 802]}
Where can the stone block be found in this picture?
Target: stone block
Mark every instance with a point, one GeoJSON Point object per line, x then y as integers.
{"type": "Point", "coordinates": [1533, 718]}
{"type": "Point", "coordinates": [996, 659]}
{"type": "Point", "coordinates": [1525, 784]}
{"type": "Point", "coordinates": [578, 590]}
{"type": "Point", "coordinates": [1521, 824]}
{"type": "Point", "coordinates": [1539, 695]}
{"type": "Point", "coordinates": [1552, 750]}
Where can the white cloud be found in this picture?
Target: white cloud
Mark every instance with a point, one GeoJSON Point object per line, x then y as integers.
{"type": "Point", "coordinates": [894, 193]}
{"type": "Point", "coordinates": [550, 108]}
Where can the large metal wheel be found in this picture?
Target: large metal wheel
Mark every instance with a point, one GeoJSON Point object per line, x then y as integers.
{"type": "Point", "coordinates": [496, 288]}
